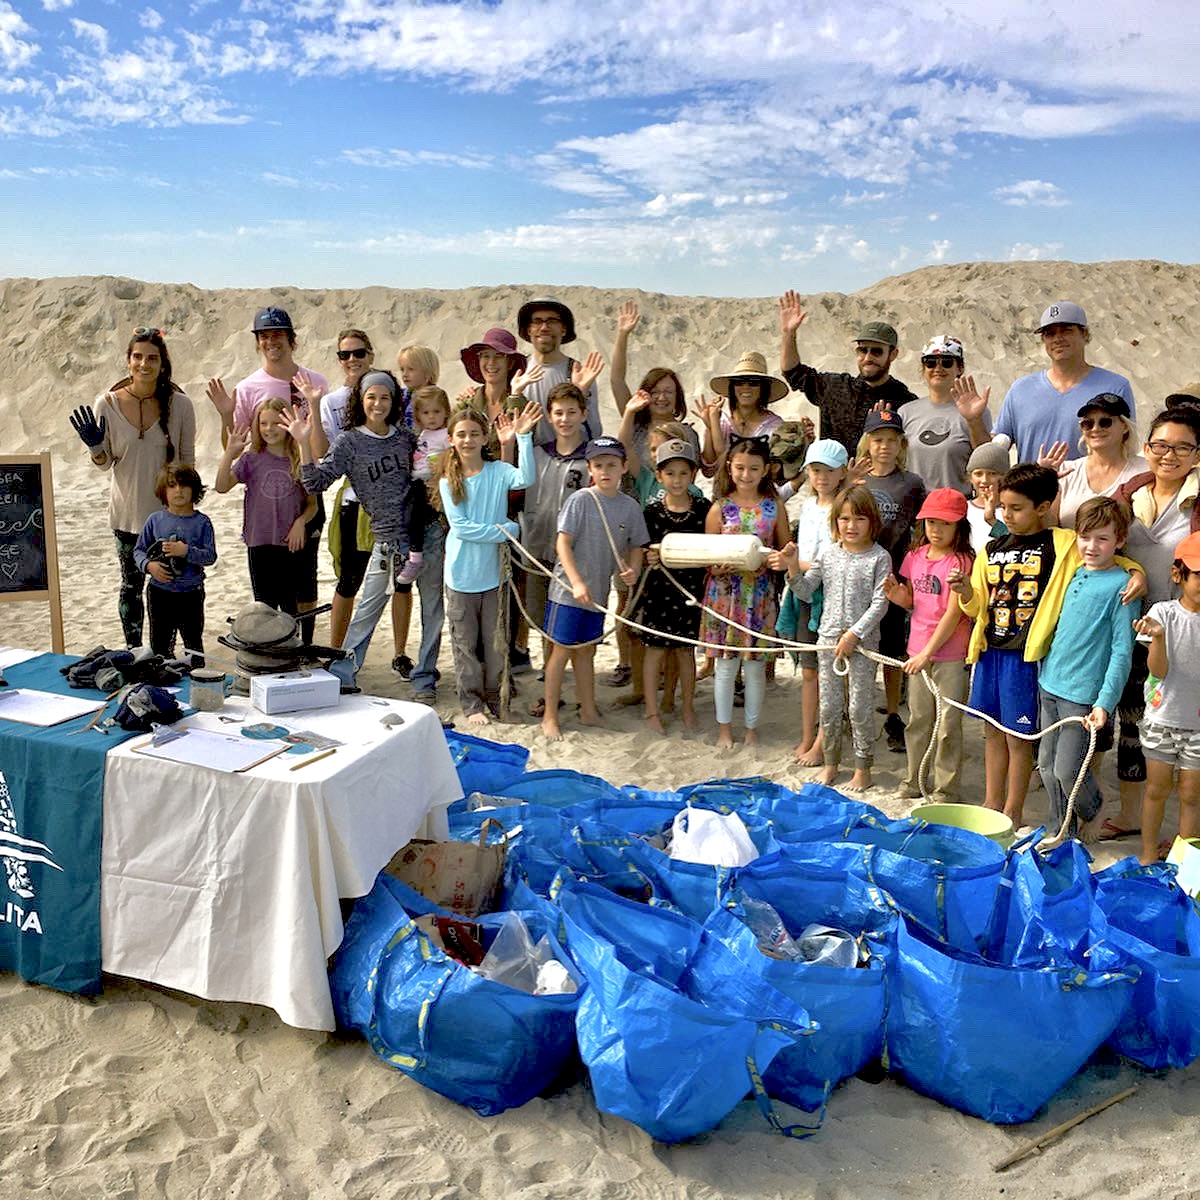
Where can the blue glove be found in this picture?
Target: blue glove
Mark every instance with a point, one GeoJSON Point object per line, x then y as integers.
{"type": "Point", "coordinates": [91, 433]}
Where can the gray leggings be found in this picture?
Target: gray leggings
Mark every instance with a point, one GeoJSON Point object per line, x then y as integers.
{"type": "Point", "coordinates": [861, 681]}
{"type": "Point", "coordinates": [477, 661]}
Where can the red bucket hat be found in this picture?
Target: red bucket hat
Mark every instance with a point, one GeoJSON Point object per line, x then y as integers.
{"type": "Point", "coordinates": [495, 339]}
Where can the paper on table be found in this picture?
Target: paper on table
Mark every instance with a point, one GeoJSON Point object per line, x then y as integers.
{"type": "Point", "coordinates": [32, 707]}
{"type": "Point", "coordinates": [10, 656]}
{"type": "Point", "coordinates": [219, 751]}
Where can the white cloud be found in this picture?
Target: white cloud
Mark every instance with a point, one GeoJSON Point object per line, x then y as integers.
{"type": "Point", "coordinates": [89, 31]}
{"type": "Point", "coordinates": [151, 18]}
{"type": "Point", "coordinates": [939, 251]}
{"type": "Point", "coordinates": [57, 5]}
{"type": "Point", "coordinates": [750, 199]}
{"type": "Point", "coordinates": [401, 160]}
{"type": "Point", "coordinates": [849, 200]}
{"type": "Point", "coordinates": [15, 51]}
{"type": "Point", "coordinates": [663, 203]}
{"type": "Point", "coordinates": [1032, 193]}
{"type": "Point", "coordinates": [1032, 252]}
{"type": "Point", "coordinates": [307, 184]}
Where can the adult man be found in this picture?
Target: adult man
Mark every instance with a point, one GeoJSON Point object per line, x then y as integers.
{"type": "Point", "coordinates": [548, 324]}
{"type": "Point", "coordinates": [1040, 409]}
{"type": "Point", "coordinates": [280, 375]}
{"type": "Point", "coordinates": [843, 399]}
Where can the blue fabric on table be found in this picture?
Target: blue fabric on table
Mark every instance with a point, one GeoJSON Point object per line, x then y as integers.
{"type": "Point", "coordinates": [51, 823]}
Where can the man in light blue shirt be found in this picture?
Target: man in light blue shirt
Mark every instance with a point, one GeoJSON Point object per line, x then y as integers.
{"type": "Point", "coordinates": [1040, 409]}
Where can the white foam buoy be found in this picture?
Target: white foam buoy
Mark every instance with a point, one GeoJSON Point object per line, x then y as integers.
{"type": "Point", "coordinates": [743, 551]}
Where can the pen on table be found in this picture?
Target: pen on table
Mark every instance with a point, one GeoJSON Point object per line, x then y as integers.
{"type": "Point", "coordinates": [314, 758]}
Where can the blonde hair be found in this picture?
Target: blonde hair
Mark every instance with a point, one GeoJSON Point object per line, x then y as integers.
{"type": "Point", "coordinates": [1129, 443]}
{"type": "Point", "coordinates": [452, 471]}
{"type": "Point", "coordinates": [423, 358]}
{"type": "Point", "coordinates": [256, 438]}
{"type": "Point", "coordinates": [424, 395]}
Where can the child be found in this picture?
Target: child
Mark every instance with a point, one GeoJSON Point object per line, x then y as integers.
{"type": "Point", "coordinates": [376, 454]}
{"type": "Point", "coordinates": [561, 471]}
{"type": "Point", "coordinates": [1014, 594]}
{"type": "Point", "coordinates": [1088, 660]}
{"type": "Point", "coordinates": [898, 494]}
{"type": "Point", "coordinates": [589, 519]}
{"type": "Point", "coordinates": [174, 547]}
{"type": "Point", "coordinates": [1171, 729]}
{"type": "Point", "coordinates": [985, 469]}
{"type": "Point", "coordinates": [745, 503]}
{"type": "Point", "coordinates": [474, 495]}
{"type": "Point", "coordinates": [418, 367]}
{"type": "Point", "coordinates": [276, 508]}
{"type": "Point", "coordinates": [852, 571]}
{"type": "Point", "coordinates": [937, 640]}
{"type": "Point", "coordinates": [825, 466]}
{"type": "Point", "coordinates": [663, 606]}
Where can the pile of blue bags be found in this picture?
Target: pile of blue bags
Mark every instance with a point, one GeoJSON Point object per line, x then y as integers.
{"type": "Point", "coordinates": [983, 978]}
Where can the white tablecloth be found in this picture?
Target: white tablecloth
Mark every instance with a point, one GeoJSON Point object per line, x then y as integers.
{"type": "Point", "coordinates": [227, 885]}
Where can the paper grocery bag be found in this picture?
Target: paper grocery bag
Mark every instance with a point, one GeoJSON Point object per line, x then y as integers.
{"type": "Point", "coordinates": [461, 876]}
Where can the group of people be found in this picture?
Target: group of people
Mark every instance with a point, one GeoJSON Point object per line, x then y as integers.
{"type": "Point", "coordinates": [911, 534]}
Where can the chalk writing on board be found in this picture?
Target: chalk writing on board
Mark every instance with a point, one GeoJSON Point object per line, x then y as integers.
{"type": "Point", "coordinates": [22, 530]}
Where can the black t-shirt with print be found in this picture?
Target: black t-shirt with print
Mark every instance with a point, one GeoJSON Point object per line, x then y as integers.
{"type": "Point", "coordinates": [1018, 567]}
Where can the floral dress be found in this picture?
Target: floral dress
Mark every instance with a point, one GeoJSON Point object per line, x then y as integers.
{"type": "Point", "coordinates": [745, 597]}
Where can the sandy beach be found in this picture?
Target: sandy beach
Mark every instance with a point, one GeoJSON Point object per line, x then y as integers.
{"type": "Point", "coordinates": [143, 1092]}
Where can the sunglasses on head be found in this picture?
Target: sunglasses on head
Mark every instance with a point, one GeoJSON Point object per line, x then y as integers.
{"type": "Point", "coordinates": [347, 355]}
{"type": "Point", "coordinates": [945, 361]}
{"type": "Point", "coordinates": [1087, 424]}
{"type": "Point", "coordinates": [144, 331]}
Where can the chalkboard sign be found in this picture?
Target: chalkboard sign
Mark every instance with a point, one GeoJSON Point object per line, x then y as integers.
{"type": "Point", "coordinates": [28, 548]}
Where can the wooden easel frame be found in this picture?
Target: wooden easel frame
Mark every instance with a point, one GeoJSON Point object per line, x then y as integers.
{"type": "Point", "coordinates": [53, 592]}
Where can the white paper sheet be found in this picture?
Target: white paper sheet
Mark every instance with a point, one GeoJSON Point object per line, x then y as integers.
{"type": "Point", "coordinates": [218, 751]}
{"type": "Point", "coordinates": [10, 656]}
{"type": "Point", "coordinates": [31, 707]}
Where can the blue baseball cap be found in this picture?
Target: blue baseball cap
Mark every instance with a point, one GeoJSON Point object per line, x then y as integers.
{"type": "Point", "coordinates": [826, 452]}
{"type": "Point", "coordinates": [604, 445]}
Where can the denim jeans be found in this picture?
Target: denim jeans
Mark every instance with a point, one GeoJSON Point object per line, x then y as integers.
{"type": "Point", "coordinates": [1059, 759]}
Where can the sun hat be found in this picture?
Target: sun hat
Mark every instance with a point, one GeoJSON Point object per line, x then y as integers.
{"type": "Point", "coordinates": [788, 444]}
{"type": "Point", "coordinates": [877, 331]}
{"type": "Point", "coordinates": [988, 457]}
{"type": "Point", "coordinates": [751, 365]}
{"type": "Point", "coordinates": [271, 318]}
{"type": "Point", "coordinates": [943, 343]}
{"type": "Point", "coordinates": [826, 452]}
{"type": "Point", "coordinates": [1107, 402]}
{"type": "Point", "coordinates": [944, 504]}
{"type": "Point", "coordinates": [675, 448]}
{"type": "Point", "coordinates": [526, 311]}
{"type": "Point", "coordinates": [1063, 312]}
{"type": "Point", "coordinates": [1188, 552]}
{"type": "Point", "coordinates": [883, 418]}
{"type": "Point", "coordinates": [498, 339]}
{"type": "Point", "coordinates": [604, 445]}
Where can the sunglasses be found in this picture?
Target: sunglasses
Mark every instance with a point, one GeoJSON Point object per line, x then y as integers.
{"type": "Point", "coordinates": [1087, 424]}
{"type": "Point", "coordinates": [144, 331]}
{"type": "Point", "coordinates": [870, 351]}
{"type": "Point", "coordinates": [347, 355]}
{"type": "Point", "coordinates": [945, 361]}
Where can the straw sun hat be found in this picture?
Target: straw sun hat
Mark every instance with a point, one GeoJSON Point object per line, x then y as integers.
{"type": "Point", "coordinates": [750, 366]}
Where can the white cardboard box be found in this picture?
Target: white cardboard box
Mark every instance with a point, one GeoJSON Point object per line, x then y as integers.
{"type": "Point", "coordinates": [1185, 854]}
{"type": "Point", "coordinates": [291, 691]}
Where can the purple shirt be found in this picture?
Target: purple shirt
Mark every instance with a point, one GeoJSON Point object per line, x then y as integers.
{"type": "Point", "coordinates": [274, 499]}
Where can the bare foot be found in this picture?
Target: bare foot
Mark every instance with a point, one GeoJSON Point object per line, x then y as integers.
{"type": "Point", "coordinates": [689, 718]}
{"type": "Point", "coordinates": [751, 737]}
{"type": "Point", "coordinates": [592, 718]}
{"type": "Point", "coordinates": [668, 704]}
{"type": "Point", "coordinates": [801, 752]}
{"type": "Point", "coordinates": [860, 780]}
{"type": "Point", "coordinates": [478, 718]}
{"type": "Point", "coordinates": [550, 729]}
{"type": "Point", "coordinates": [827, 774]}
{"type": "Point", "coordinates": [814, 758]}
{"type": "Point", "coordinates": [724, 737]}
{"type": "Point", "coordinates": [629, 700]}
{"type": "Point", "coordinates": [654, 723]}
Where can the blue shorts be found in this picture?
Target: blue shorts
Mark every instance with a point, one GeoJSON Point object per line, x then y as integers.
{"type": "Point", "coordinates": [1005, 686]}
{"type": "Point", "coordinates": [572, 626]}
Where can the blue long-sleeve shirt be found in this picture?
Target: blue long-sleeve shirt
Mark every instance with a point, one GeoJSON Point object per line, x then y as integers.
{"type": "Point", "coordinates": [472, 545]}
{"type": "Point", "coordinates": [1089, 657]}
{"type": "Point", "coordinates": [196, 530]}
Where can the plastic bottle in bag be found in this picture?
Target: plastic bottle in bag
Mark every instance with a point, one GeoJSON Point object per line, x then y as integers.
{"type": "Point", "coordinates": [768, 927]}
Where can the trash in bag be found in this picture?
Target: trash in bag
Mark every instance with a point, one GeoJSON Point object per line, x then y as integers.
{"type": "Point", "coordinates": [714, 839]}
{"type": "Point", "coordinates": [824, 944]}
{"type": "Point", "coordinates": [516, 961]}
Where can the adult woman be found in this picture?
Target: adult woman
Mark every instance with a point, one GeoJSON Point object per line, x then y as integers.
{"type": "Point", "coordinates": [495, 363]}
{"type": "Point", "coordinates": [1108, 442]}
{"type": "Point", "coordinates": [749, 390]}
{"type": "Point", "coordinates": [142, 423]}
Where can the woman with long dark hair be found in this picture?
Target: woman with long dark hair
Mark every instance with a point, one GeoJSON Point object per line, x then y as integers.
{"type": "Point", "coordinates": [142, 423]}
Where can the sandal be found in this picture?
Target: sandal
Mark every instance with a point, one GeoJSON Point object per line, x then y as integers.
{"type": "Point", "coordinates": [1110, 831]}
{"type": "Point", "coordinates": [538, 707]}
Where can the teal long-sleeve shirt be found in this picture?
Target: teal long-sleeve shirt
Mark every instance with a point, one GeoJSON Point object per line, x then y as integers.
{"type": "Point", "coordinates": [473, 543]}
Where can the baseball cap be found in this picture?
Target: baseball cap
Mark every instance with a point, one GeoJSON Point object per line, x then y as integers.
{"type": "Point", "coordinates": [675, 448]}
{"type": "Point", "coordinates": [989, 457]}
{"type": "Point", "coordinates": [271, 318]}
{"type": "Point", "coordinates": [944, 343]}
{"type": "Point", "coordinates": [883, 418]}
{"type": "Point", "coordinates": [826, 452]}
{"type": "Point", "coordinates": [1107, 402]}
{"type": "Point", "coordinates": [877, 331]}
{"type": "Point", "coordinates": [604, 445]}
{"type": "Point", "coordinates": [1063, 312]}
{"type": "Point", "coordinates": [944, 504]}
{"type": "Point", "coordinates": [1188, 394]}
{"type": "Point", "coordinates": [1188, 552]}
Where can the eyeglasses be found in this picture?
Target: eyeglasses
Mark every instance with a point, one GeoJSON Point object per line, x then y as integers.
{"type": "Point", "coordinates": [1087, 424]}
{"type": "Point", "coordinates": [538, 322]}
{"type": "Point", "coordinates": [144, 331]}
{"type": "Point", "coordinates": [347, 355]}
{"type": "Point", "coordinates": [945, 361]}
{"type": "Point", "coordinates": [870, 351]}
{"type": "Point", "coordinates": [1177, 449]}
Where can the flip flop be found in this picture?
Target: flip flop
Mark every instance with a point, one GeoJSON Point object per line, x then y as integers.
{"type": "Point", "coordinates": [1110, 832]}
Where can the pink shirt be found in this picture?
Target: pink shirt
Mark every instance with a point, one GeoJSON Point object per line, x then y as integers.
{"type": "Point", "coordinates": [260, 386]}
{"type": "Point", "coordinates": [931, 594]}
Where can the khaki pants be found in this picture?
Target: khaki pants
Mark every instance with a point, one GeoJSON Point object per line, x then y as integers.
{"type": "Point", "coordinates": [942, 774]}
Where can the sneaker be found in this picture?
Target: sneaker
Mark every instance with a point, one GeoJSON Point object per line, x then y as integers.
{"type": "Point", "coordinates": [519, 662]}
{"type": "Point", "coordinates": [402, 665]}
{"type": "Point", "coordinates": [427, 696]}
{"type": "Point", "coordinates": [620, 676]}
{"type": "Point", "coordinates": [893, 727]}
{"type": "Point", "coordinates": [411, 569]}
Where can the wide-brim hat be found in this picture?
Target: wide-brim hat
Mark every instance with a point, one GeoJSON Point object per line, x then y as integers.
{"type": "Point", "coordinates": [749, 366]}
{"type": "Point", "coordinates": [531, 306]}
{"type": "Point", "coordinates": [498, 339]}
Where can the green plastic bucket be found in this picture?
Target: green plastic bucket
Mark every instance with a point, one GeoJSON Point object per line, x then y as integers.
{"type": "Point", "coordinates": [986, 821]}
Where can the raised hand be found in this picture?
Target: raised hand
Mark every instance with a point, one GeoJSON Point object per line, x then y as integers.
{"type": "Point", "coordinates": [791, 312]}
{"type": "Point", "coordinates": [627, 317]}
{"type": "Point", "coordinates": [969, 402]}
{"type": "Point", "coordinates": [91, 432]}
{"type": "Point", "coordinates": [300, 427]}
{"type": "Point", "coordinates": [708, 411]}
{"type": "Point", "coordinates": [1054, 457]}
{"type": "Point", "coordinates": [639, 400]}
{"type": "Point", "coordinates": [221, 400]}
{"type": "Point", "coordinates": [895, 591]}
{"type": "Point", "coordinates": [468, 393]}
{"type": "Point", "coordinates": [584, 374]}
{"type": "Point", "coordinates": [308, 390]}
{"type": "Point", "coordinates": [808, 430]}
{"type": "Point", "coordinates": [857, 470]}
{"type": "Point", "coordinates": [531, 414]}
{"type": "Point", "coordinates": [239, 438]}
{"type": "Point", "coordinates": [522, 379]}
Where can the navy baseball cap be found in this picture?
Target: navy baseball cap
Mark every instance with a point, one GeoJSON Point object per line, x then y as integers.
{"type": "Point", "coordinates": [604, 445]}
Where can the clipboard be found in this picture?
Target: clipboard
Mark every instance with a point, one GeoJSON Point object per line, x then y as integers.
{"type": "Point", "coordinates": [229, 753]}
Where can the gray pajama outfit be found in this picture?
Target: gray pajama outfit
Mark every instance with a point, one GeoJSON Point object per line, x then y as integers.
{"type": "Point", "coordinates": [854, 601]}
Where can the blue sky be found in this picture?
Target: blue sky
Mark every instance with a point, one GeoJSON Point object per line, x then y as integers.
{"type": "Point", "coordinates": [735, 147]}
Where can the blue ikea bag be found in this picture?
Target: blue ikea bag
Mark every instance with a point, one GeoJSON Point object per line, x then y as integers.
{"type": "Point", "coordinates": [672, 1028]}
{"type": "Point", "coordinates": [991, 1039]}
{"type": "Point", "coordinates": [848, 1004]}
{"type": "Point", "coordinates": [1157, 925]}
{"type": "Point", "coordinates": [475, 1041]}
{"type": "Point", "coordinates": [557, 788]}
{"type": "Point", "coordinates": [483, 765]}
